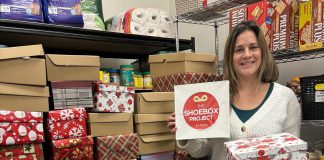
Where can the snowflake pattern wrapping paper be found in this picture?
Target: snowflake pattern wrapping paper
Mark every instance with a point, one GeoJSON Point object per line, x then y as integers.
{"type": "Point", "coordinates": [117, 147]}
{"type": "Point", "coordinates": [22, 151]}
{"type": "Point", "coordinates": [111, 98]}
{"type": "Point", "coordinates": [73, 148]}
{"type": "Point", "coordinates": [18, 127]}
{"type": "Point", "coordinates": [167, 83]}
{"type": "Point", "coordinates": [68, 123]}
{"type": "Point", "coordinates": [282, 146]}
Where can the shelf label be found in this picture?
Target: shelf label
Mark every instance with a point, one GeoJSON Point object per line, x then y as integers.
{"type": "Point", "coordinates": [52, 10]}
{"type": "Point", "coordinates": [310, 46]}
{"type": "Point", "coordinates": [319, 96]}
{"type": "Point", "coordinates": [319, 87]}
{"type": "Point", "coordinates": [4, 8]}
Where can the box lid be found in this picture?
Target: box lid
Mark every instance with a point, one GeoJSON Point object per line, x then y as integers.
{"type": "Point", "coordinates": [157, 96]}
{"type": "Point", "coordinates": [20, 52]}
{"type": "Point", "coordinates": [66, 115]}
{"type": "Point", "coordinates": [109, 117]}
{"type": "Point", "coordinates": [21, 116]}
{"type": "Point", "coordinates": [23, 90]}
{"type": "Point", "coordinates": [70, 142]}
{"type": "Point", "coordinates": [145, 118]}
{"type": "Point", "coordinates": [71, 84]}
{"type": "Point", "coordinates": [178, 57]}
{"type": "Point", "coordinates": [74, 60]}
{"type": "Point", "coordinates": [265, 146]}
{"type": "Point", "coordinates": [113, 88]}
{"type": "Point", "coordinates": [157, 137]}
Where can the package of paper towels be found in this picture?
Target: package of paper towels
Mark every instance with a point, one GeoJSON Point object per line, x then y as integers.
{"type": "Point", "coordinates": [92, 14]}
{"type": "Point", "coordinates": [27, 10]}
{"type": "Point", "coordinates": [143, 21]}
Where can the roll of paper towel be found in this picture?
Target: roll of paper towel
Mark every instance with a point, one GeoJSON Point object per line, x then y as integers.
{"type": "Point", "coordinates": [139, 15]}
{"type": "Point", "coordinates": [165, 31]}
{"type": "Point", "coordinates": [153, 16]}
{"type": "Point", "coordinates": [152, 30]}
{"type": "Point", "coordinates": [165, 18]}
{"type": "Point", "coordinates": [136, 28]}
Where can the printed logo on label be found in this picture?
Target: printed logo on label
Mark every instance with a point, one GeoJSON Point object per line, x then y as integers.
{"type": "Point", "coordinates": [201, 110]}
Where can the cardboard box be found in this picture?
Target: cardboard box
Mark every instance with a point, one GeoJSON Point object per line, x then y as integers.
{"type": "Point", "coordinates": [72, 67]}
{"type": "Point", "coordinates": [151, 123]}
{"type": "Point", "coordinates": [305, 24]}
{"type": "Point", "coordinates": [294, 24]}
{"type": "Point", "coordinates": [108, 124]}
{"type": "Point", "coordinates": [237, 16]}
{"type": "Point", "coordinates": [154, 102]}
{"type": "Point", "coordinates": [24, 98]}
{"type": "Point", "coordinates": [159, 156]}
{"type": "Point", "coordinates": [22, 65]}
{"type": "Point", "coordinates": [317, 29]}
{"type": "Point", "coordinates": [21, 149]}
{"type": "Point", "coordinates": [155, 143]}
{"type": "Point", "coordinates": [276, 147]}
{"type": "Point", "coordinates": [167, 64]}
{"type": "Point", "coordinates": [280, 29]}
{"type": "Point", "coordinates": [167, 83]}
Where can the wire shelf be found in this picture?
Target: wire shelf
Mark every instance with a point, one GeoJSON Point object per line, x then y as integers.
{"type": "Point", "coordinates": [317, 123]}
{"type": "Point", "coordinates": [292, 55]}
{"type": "Point", "coordinates": [209, 14]}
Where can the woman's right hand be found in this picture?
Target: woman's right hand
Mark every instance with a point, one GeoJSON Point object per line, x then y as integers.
{"type": "Point", "coordinates": [171, 123]}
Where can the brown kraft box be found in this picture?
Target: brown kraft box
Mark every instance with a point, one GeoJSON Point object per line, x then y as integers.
{"type": "Point", "coordinates": [156, 143]}
{"type": "Point", "coordinates": [23, 65]}
{"type": "Point", "coordinates": [151, 123]}
{"type": "Point", "coordinates": [154, 102]}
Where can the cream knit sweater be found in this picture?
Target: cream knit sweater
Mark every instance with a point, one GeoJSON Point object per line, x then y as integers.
{"type": "Point", "coordinates": [281, 113]}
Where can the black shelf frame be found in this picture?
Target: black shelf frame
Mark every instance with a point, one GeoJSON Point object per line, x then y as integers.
{"type": "Point", "coordinates": [61, 39]}
{"type": "Point", "coordinates": [292, 55]}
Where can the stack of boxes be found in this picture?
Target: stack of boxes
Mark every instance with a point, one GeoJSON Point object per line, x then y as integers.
{"type": "Point", "coordinates": [113, 125]}
{"type": "Point", "coordinates": [71, 78]}
{"type": "Point", "coordinates": [24, 96]}
{"type": "Point", "coordinates": [153, 109]}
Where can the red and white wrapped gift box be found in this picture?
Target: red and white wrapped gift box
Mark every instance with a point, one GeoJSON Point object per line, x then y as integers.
{"type": "Point", "coordinates": [112, 98]}
{"type": "Point", "coordinates": [167, 83]}
{"type": "Point", "coordinates": [18, 127]}
{"type": "Point", "coordinates": [22, 151]}
{"type": "Point", "coordinates": [68, 123]}
{"type": "Point", "coordinates": [274, 147]}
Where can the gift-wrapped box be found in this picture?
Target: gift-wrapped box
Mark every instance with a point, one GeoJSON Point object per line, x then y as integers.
{"type": "Point", "coordinates": [158, 156]}
{"type": "Point", "coordinates": [18, 127]}
{"type": "Point", "coordinates": [72, 94]}
{"type": "Point", "coordinates": [73, 148]}
{"type": "Point", "coordinates": [111, 98]}
{"type": "Point", "coordinates": [277, 146]}
{"type": "Point", "coordinates": [117, 147]}
{"type": "Point", "coordinates": [22, 151]}
{"type": "Point", "coordinates": [166, 83]}
{"type": "Point", "coordinates": [68, 123]}
{"type": "Point", "coordinates": [183, 155]}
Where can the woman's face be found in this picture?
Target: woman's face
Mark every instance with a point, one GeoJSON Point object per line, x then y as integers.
{"type": "Point", "coordinates": [247, 55]}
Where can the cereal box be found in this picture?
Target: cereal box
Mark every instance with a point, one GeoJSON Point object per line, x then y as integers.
{"type": "Point", "coordinates": [294, 23]}
{"type": "Point", "coordinates": [317, 22]}
{"type": "Point", "coordinates": [280, 29]}
{"type": "Point", "coordinates": [305, 23]}
{"type": "Point", "coordinates": [237, 16]}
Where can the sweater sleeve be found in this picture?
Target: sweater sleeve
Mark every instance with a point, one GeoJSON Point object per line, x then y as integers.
{"type": "Point", "coordinates": [293, 122]}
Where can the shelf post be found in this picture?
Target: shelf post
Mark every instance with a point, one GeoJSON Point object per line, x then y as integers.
{"type": "Point", "coordinates": [177, 34]}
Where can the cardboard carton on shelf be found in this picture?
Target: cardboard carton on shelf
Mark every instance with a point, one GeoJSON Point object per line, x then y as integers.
{"type": "Point", "coordinates": [154, 102]}
{"type": "Point", "coordinates": [151, 123]}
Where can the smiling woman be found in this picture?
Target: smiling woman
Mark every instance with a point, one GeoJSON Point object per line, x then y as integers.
{"type": "Point", "coordinates": [260, 106]}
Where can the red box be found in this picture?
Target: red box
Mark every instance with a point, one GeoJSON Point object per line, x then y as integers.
{"type": "Point", "coordinates": [112, 98]}
{"type": "Point", "coordinates": [18, 127]}
{"type": "Point", "coordinates": [25, 157]}
{"type": "Point", "coordinates": [117, 147]}
{"type": "Point", "coordinates": [166, 83]}
{"type": "Point", "coordinates": [237, 16]}
{"type": "Point", "coordinates": [21, 149]}
{"type": "Point", "coordinates": [73, 148]}
{"type": "Point", "coordinates": [68, 123]}
{"type": "Point", "coordinates": [280, 28]}
{"type": "Point", "coordinates": [317, 29]}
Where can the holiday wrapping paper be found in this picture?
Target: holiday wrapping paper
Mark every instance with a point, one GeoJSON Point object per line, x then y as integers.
{"type": "Point", "coordinates": [18, 127]}
{"type": "Point", "coordinates": [21, 149]}
{"type": "Point", "coordinates": [67, 123]}
{"type": "Point", "coordinates": [117, 147]}
{"type": "Point", "coordinates": [158, 156]}
{"type": "Point", "coordinates": [25, 157]}
{"type": "Point", "coordinates": [201, 109]}
{"type": "Point", "coordinates": [72, 94]}
{"type": "Point", "coordinates": [277, 146]}
{"type": "Point", "coordinates": [167, 83]}
{"type": "Point", "coordinates": [182, 155]}
{"type": "Point", "coordinates": [73, 148]}
{"type": "Point", "coordinates": [111, 98]}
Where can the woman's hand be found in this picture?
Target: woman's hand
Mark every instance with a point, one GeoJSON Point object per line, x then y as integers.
{"type": "Point", "coordinates": [171, 123]}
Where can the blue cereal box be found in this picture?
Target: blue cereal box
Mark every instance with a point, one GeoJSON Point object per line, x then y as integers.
{"type": "Point", "coordinates": [65, 12]}
{"type": "Point", "coordinates": [26, 10]}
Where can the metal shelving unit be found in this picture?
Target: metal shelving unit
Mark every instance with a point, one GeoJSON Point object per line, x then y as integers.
{"type": "Point", "coordinates": [291, 55]}
{"type": "Point", "coordinates": [60, 39]}
{"type": "Point", "coordinates": [317, 123]}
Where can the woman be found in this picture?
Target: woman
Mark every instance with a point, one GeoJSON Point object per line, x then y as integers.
{"type": "Point", "coordinates": [259, 105]}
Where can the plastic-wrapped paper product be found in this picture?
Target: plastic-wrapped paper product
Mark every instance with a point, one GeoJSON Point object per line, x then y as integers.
{"type": "Point", "coordinates": [27, 10]}
{"type": "Point", "coordinates": [92, 14]}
